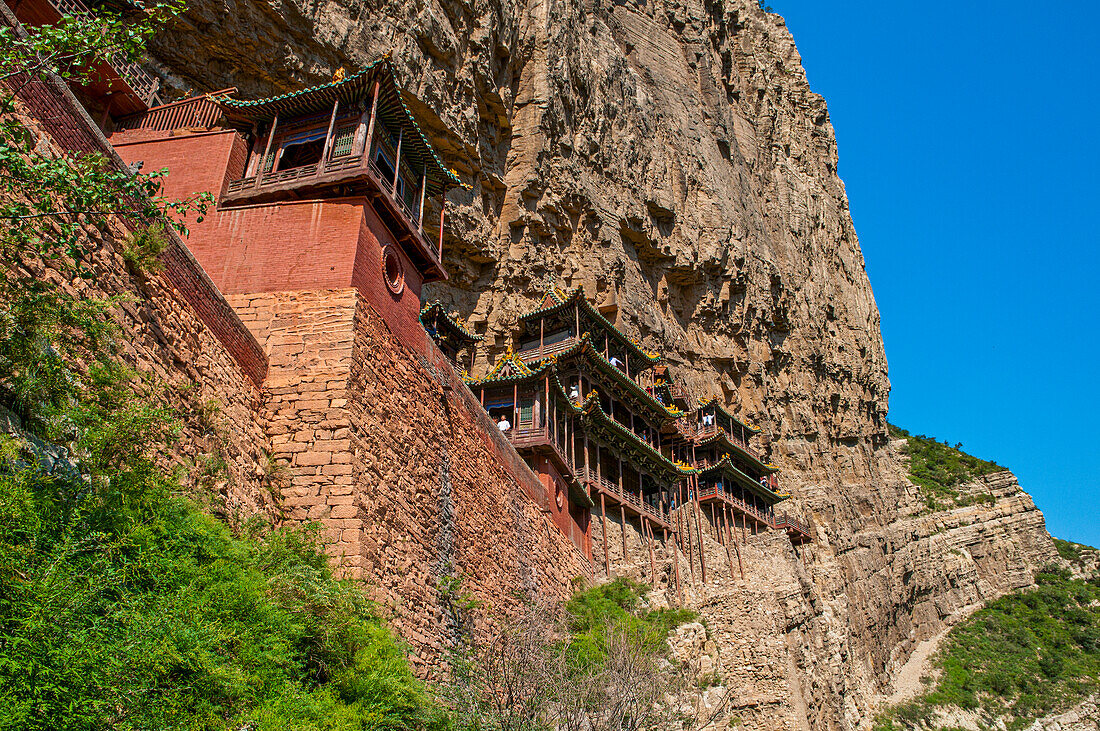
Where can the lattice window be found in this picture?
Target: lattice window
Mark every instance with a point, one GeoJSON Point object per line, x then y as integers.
{"type": "Point", "coordinates": [342, 142]}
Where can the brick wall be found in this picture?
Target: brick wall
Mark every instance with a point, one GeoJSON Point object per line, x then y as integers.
{"type": "Point", "coordinates": [391, 452]}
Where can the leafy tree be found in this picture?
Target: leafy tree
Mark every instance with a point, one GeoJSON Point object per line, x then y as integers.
{"type": "Point", "coordinates": [122, 605]}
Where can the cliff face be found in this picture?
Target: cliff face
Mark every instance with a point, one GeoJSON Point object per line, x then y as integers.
{"type": "Point", "coordinates": [670, 157]}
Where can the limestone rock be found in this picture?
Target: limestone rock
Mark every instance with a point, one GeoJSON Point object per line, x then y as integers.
{"type": "Point", "coordinates": [670, 156]}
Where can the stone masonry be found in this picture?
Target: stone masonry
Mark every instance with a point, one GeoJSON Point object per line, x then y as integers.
{"type": "Point", "coordinates": [390, 451]}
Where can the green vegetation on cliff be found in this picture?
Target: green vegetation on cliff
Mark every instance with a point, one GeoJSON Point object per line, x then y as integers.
{"type": "Point", "coordinates": [1019, 658]}
{"type": "Point", "coordinates": [938, 468]}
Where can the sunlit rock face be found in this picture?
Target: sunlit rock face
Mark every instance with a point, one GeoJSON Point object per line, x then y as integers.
{"type": "Point", "coordinates": [671, 158]}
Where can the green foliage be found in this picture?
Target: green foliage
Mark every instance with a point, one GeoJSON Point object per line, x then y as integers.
{"type": "Point", "coordinates": [591, 614]}
{"type": "Point", "coordinates": [1023, 656]}
{"type": "Point", "coordinates": [122, 605]}
{"type": "Point", "coordinates": [938, 469]}
{"type": "Point", "coordinates": [143, 248]}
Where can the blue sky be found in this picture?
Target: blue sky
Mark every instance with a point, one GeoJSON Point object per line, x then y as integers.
{"type": "Point", "coordinates": [967, 135]}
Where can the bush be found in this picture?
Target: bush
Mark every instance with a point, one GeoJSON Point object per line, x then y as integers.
{"type": "Point", "coordinates": [1022, 657]}
{"type": "Point", "coordinates": [939, 469]}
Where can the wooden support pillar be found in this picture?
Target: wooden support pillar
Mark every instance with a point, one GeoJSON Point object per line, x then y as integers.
{"type": "Point", "coordinates": [622, 514]}
{"type": "Point", "coordinates": [652, 561]}
{"type": "Point", "coordinates": [328, 135]}
{"type": "Point", "coordinates": [699, 530]}
{"type": "Point", "coordinates": [368, 142]}
{"type": "Point", "coordinates": [442, 210]}
{"type": "Point", "coordinates": [267, 151]}
{"type": "Point", "coordinates": [606, 555]}
{"type": "Point", "coordinates": [397, 162]}
{"type": "Point", "coordinates": [423, 192]}
{"type": "Point", "coordinates": [676, 569]}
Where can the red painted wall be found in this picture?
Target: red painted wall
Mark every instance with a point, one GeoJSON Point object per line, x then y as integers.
{"type": "Point", "coordinates": [283, 246]}
{"type": "Point", "coordinates": [567, 523]}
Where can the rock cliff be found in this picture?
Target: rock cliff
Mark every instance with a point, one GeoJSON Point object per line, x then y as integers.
{"type": "Point", "coordinates": [670, 157]}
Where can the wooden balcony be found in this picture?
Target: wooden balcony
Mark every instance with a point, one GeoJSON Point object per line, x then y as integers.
{"type": "Point", "coordinates": [705, 432]}
{"type": "Point", "coordinates": [713, 493]}
{"type": "Point", "coordinates": [798, 531]}
{"type": "Point", "coordinates": [538, 353]}
{"type": "Point", "coordinates": [539, 438]}
{"type": "Point", "coordinates": [354, 172]}
{"type": "Point", "coordinates": [630, 501]}
{"type": "Point", "coordinates": [197, 113]}
{"type": "Point", "coordinates": [129, 87]}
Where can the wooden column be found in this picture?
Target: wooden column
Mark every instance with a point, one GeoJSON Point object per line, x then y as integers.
{"type": "Point", "coordinates": [699, 530]}
{"type": "Point", "coordinates": [603, 514]}
{"type": "Point", "coordinates": [652, 561]}
{"type": "Point", "coordinates": [622, 514]}
{"type": "Point", "coordinates": [267, 151]}
{"type": "Point", "coordinates": [369, 141]}
{"type": "Point", "coordinates": [442, 210]}
{"type": "Point", "coordinates": [676, 569]}
{"type": "Point", "coordinates": [328, 135]}
{"type": "Point", "coordinates": [397, 163]}
{"type": "Point", "coordinates": [423, 192]}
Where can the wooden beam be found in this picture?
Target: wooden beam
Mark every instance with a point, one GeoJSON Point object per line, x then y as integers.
{"type": "Point", "coordinates": [267, 151]}
{"type": "Point", "coordinates": [423, 192]}
{"type": "Point", "coordinates": [603, 514]}
{"type": "Point", "coordinates": [369, 141]}
{"type": "Point", "coordinates": [397, 163]}
{"type": "Point", "coordinates": [328, 135]}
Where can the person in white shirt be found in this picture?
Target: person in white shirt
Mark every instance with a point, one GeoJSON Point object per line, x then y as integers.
{"type": "Point", "coordinates": [616, 362]}
{"type": "Point", "coordinates": [574, 392]}
{"type": "Point", "coordinates": [503, 424]}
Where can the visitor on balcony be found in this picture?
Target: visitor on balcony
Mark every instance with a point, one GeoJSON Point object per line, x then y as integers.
{"type": "Point", "coordinates": [616, 362]}
{"type": "Point", "coordinates": [503, 424]}
{"type": "Point", "coordinates": [575, 392]}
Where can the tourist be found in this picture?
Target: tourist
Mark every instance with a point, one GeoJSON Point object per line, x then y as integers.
{"type": "Point", "coordinates": [503, 424]}
{"type": "Point", "coordinates": [574, 393]}
{"type": "Point", "coordinates": [616, 362]}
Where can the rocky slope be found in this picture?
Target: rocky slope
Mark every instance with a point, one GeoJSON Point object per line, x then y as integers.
{"type": "Point", "coordinates": [670, 156]}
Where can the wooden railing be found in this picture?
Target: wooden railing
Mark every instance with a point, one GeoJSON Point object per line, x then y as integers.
{"type": "Point", "coordinates": [332, 165]}
{"type": "Point", "coordinates": [539, 436]}
{"type": "Point", "coordinates": [410, 214]}
{"type": "Point", "coordinates": [546, 351]}
{"type": "Point", "coordinates": [143, 84]}
{"type": "Point", "coordinates": [187, 113]}
{"type": "Point", "coordinates": [762, 516]}
{"type": "Point", "coordinates": [792, 523]}
{"type": "Point", "coordinates": [704, 432]}
{"type": "Point", "coordinates": [653, 512]}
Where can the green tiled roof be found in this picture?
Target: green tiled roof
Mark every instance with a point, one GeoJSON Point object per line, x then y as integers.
{"type": "Point", "coordinates": [583, 347]}
{"type": "Point", "coordinates": [392, 110]}
{"type": "Point", "coordinates": [590, 410]}
{"type": "Point", "coordinates": [725, 466]}
{"type": "Point", "coordinates": [556, 301]}
{"type": "Point", "coordinates": [435, 308]}
{"type": "Point", "coordinates": [721, 439]}
{"type": "Point", "coordinates": [713, 400]}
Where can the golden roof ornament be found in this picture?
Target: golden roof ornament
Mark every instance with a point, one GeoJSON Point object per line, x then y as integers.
{"type": "Point", "coordinates": [338, 75]}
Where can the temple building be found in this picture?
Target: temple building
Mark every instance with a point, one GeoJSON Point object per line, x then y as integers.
{"type": "Point", "coordinates": [569, 401]}
{"type": "Point", "coordinates": [456, 342]}
{"type": "Point", "coordinates": [325, 187]}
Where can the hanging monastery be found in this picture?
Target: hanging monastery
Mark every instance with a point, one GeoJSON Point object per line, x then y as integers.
{"type": "Point", "coordinates": [329, 219]}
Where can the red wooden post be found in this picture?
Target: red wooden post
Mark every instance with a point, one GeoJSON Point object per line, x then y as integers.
{"type": "Point", "coordinates": [442, 207]}
{"type": "Point", "coordinates": [603, 515]}
{"type": "Point", "coordinates": [367, 143]}
{"type": "Point", "coordinates": [423, 191]}
{"type": "Point", "coordinates": [267, 151]}
{"type": "Point", "coordinates": [328, 135]}
{"type": "Point", "coordinates": [397, 163]}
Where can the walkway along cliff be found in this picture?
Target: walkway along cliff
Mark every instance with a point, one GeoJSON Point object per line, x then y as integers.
{"type": "Point", "coordinates": [669, 166]}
